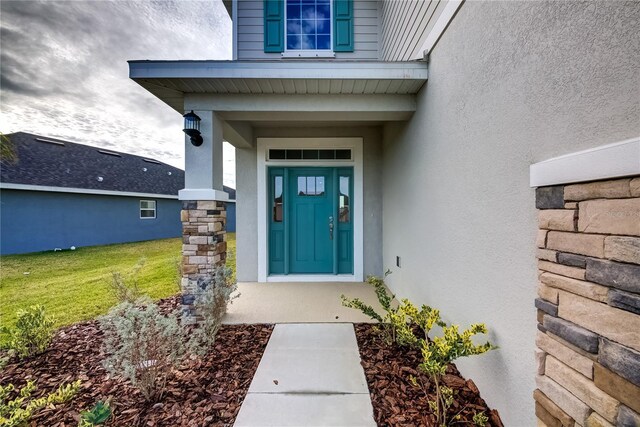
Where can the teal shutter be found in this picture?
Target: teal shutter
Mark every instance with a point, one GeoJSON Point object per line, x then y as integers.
{"type": "Point", "coordinates": [274, 25]}
{"type": "Point", "coordinates": [343, 25]}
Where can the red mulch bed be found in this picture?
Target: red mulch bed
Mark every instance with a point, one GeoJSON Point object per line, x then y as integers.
{"type": "Point", "coordinates": [207, 391]}
{"type": "Point", "coordinates": [396, 402]}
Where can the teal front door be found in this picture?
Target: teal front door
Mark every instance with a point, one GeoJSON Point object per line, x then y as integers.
{"type": "Point", "coordinates": [310, 221]}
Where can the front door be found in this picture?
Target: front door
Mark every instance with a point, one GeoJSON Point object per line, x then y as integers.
{"type": "Point", "coordinates": [311, 230]}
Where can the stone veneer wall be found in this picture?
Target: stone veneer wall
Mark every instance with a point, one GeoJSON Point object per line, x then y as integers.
{"type": "Point", "coordinates": [588, 343]}
{"type": "Point", "coordinates": [204, 246]}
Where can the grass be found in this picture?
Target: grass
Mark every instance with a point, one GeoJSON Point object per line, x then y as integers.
{"type": "Point", "coordinates": [74, 285]}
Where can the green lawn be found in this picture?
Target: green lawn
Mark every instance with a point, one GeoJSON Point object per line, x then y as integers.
{"type": "Point", "coordinates": [74, 285]}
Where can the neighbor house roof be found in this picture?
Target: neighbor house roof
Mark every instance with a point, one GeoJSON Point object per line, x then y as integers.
{"type": "Point", "coordinates": [50, 162]}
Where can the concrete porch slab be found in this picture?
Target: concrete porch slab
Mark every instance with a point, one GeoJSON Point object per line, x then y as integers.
{"type": "Point", "coordinates": [336, 410]}
{"type": "Point", "coordinates": [311, 358]}
{"type": "Point", "coordinates": [296, 302]}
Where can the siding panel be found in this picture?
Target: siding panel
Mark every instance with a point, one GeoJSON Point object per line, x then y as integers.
{"type": "Point", "coordinates": [34, 221]}
{"type": "Point", "coordinates": [404, 26]}
{"type": "Point", "coordinates": [251, 32]}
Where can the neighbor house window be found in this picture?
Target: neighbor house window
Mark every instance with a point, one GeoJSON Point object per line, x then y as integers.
{"type": "Point", "coordinates": [308, 25]}
{"type": "Point", "coordinates": [147, 209]}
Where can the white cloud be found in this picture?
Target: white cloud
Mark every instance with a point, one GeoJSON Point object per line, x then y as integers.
{"type": "Point", "coordinates": [64, 72]}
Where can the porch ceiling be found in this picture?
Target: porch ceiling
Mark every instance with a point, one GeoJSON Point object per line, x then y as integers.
{"type": "Point", "coordinates": [171, 80]}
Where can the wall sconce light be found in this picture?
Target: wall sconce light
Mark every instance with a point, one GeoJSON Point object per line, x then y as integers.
{"type": "Point", "coordinates": [192, 128]}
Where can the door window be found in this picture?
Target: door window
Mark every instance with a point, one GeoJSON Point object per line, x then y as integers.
{"type": "Point", "coordinates": [311, 186]}
{"type": "Point", "coordinates": [276, 203]}
{"type": "Point", "coordinates": [344, 213]}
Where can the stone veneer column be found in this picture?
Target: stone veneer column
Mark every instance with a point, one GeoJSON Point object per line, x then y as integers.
{"type": "Point", "coordinates": [588, 343]}
{"type": "Point", "coordinates": [204, 246]}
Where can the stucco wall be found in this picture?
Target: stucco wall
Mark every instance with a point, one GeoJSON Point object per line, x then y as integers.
{"type": "Point", "coordinates": [32, 221]}
{"type": "Point", "coordinates": [246, 221]}
{"type": "Point", "coordinates": [510, 84]}
{"type": "Point", "coordinates": [246, 224]}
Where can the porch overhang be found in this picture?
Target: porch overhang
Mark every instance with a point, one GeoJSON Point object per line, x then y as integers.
{"type": "Point", "coordinates": [273, 90]}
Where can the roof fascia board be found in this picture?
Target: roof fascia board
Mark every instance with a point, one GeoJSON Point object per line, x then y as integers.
{"type": "Point", "coordinates": [439, 28]}
{"type": "Point", "coordinates": [27, 187]}
{"type": "Point", "coordinates": [278, 70]}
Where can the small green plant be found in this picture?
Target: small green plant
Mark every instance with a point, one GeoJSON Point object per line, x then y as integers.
{"type": "Point", "coordinates": [407, 320]}
{"type": "Point", "coordinates": [215, 293]}
{"type": "Point", "coordinates": [480, 419]}
{"type": "Point", "coordinates": [19, 410]}
{"type": "Point", "coordinates": [96, 416]}
{"type": "Point", "coordinates": [124, 287]}
{"type": "Point", "coordinates": [142, 345]}
{"type": "Point", "coordinates": [399, 322]}
{"type": "Point", "coordinates": [31, 334]}
{"type": "Point", "coordinates": [440, 406]}
{"type": "Point", "coordinates": [439, 352]}
{"type": "Point", "coordinates": [388, 321]}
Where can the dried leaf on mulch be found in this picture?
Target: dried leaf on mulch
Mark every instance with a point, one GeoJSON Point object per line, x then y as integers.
{"type": "Point", "coordinates": [205, 391]}
{"type": "Point", "coordinates": [397, 402]}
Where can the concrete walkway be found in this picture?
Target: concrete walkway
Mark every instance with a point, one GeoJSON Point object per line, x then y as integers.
{"type": "Point", "coordinates": [298, 302]}
{"type": "Point", "coordinates": [309, 375]}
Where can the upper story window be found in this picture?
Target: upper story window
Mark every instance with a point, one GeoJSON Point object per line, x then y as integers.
{"type": "Point", "coordinates": [308, 28]}
{"type": "Point", "coordinates": [308, 24]}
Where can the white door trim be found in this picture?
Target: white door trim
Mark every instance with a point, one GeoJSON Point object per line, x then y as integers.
{"type": "Point", "coordinates": [356, 145]}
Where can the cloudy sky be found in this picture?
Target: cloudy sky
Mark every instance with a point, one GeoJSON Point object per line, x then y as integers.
{"type": "Point", "coordinates": [64, 72]}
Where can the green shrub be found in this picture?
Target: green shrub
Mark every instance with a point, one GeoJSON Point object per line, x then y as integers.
{"type": "Point", "coordinates": [96, 416]}
{"type": "Point", "coordinates": [399, 322]}
{"type": "Point", "coordinates": [142, 345]}
{"type": "Point", "coordinates": [124, 287]}
{"type": "Point", "coordinates": [31, 334]}
{"type": "Point", "coordinates": [438, 352]}
{"type": "Point", "coordinates": [216, 292]}
{"type": "Point", "coordinates": [389, 321]}
{"type": "Point", "coordinates": [480, 419]}
{"type": "Point", "coordinates": [408, 326]}
{"type": "Point", "coordinates": [18, 411]}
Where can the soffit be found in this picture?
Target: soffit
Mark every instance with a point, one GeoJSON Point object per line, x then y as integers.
{"type": "Point", "coordinates": [171, 80]}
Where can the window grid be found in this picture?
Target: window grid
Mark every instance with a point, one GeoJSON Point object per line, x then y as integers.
{"type": "Point", "coordinates": [308, 24]}
{"type": "Point", "coordinates": [309, 154]}
{"type": "Point", "coordinates": [310, 185]}
{"type": "Point", "coordinates": [147, 209]}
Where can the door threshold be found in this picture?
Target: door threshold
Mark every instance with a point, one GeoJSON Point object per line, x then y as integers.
{"type": "Point", "coordinates": [313, 278]}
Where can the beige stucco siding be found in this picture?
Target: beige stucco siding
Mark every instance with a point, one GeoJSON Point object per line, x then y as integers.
{"type": "Point", "coordinates": [251, 31]}
{"type": "Point", "coordinates": [510, 84]}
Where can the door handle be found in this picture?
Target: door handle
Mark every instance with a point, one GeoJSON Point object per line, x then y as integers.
{"type": "Point", "coordinates": [331, 227]}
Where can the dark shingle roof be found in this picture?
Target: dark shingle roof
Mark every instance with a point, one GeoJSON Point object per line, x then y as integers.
{"type": "Point", "coordinates": [74, 165]}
